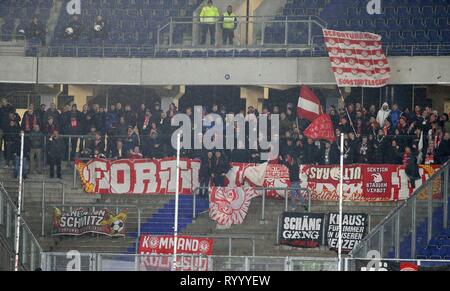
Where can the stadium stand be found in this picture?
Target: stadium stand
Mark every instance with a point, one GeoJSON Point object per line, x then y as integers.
{"type": "Point", "coordinates": [104, 118]}
{"type": "Point", "coordinates": [408, 27]}
{"type": "Point", "coordinates": [401, 22]}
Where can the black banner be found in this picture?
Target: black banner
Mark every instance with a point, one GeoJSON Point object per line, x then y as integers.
{"type": "Point", "coordinates": [354, 228]}
{"type": "Point", "coordinates": [303, 230]}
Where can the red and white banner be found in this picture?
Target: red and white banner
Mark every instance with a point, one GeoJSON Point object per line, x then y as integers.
{"type": "Point", "coordinates": [164, 244]}
{"type": "Point", "coordinates": [274, 176]}
{"type": "Point", "coordinates": [357, 58]}
{"type": "Point", "coordinates": [368, 183]}
{"type": "Point", "coordinates": [141, 176]}
{"type": "Point", "coordinates": [154, 245]}
{"type": "Point", "coordinates": [321, 129]}
{"type": "Point", "coordinates": [229, 206]}
{"type": "Point", "coordinates": [308, 104]}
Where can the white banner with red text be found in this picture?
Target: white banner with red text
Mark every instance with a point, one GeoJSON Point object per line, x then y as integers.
{"type": "Point", "coordinates": [363, 183]}
{"type": "Point", "coordinates": [140, 176]}
{"type": "Point", "coordinates": [154, 245]}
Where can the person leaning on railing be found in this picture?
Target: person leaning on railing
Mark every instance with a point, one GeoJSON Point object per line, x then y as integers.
{"type": "Point", "coordinates": [55, 154]}
{"type": "Point", "coordinates": [36, 29]}
{"type": "Point", "coordinates": [443, 150]}
{"type": "Point", "coordinates": [12, 141]}
{"type": "Point", "coordinates": [99, 29]}
{"type": "Point", "coordinates": [229, 26]}
{"type": "Point", "coordinates": [209, 16]}
{"type": "Point", "coordinates": [294, 177]}
{"type": "Point", "coordinates": [36, 142]}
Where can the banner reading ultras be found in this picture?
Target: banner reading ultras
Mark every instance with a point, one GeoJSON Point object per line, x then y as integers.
{"type": "Point", "coordinates": [357, 58]}
{"type": "Point", "coordinates": [369, 183]}
{"type": "Point", "coordinates": [141, 176]}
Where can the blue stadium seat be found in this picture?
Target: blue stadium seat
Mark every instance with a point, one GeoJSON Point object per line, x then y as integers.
{"type": "Point", "coordinates": [68, 51]}
{"type": "Point", "coordinates": [96, 52]}
{"type": "Point", "coordinates": [198, 54]}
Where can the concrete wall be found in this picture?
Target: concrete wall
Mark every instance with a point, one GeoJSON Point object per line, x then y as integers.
{"type": "Point", "coordinates": [440, 96]}
{"type": "Point", "coordinates": [217, 71]}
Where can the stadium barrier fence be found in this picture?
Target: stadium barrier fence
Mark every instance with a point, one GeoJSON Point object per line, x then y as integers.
{"type": "Point", "coordinates": [413, 224]}
{"type": "Point", "coordinates": [29, 249]}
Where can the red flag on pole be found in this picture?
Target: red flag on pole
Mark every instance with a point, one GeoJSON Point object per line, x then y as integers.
{"type": "Point", "coordinates": [321, 129]}
{"type": "Point", "coordinates": [308, 105]}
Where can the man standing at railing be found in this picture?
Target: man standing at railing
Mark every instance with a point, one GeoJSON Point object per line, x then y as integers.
{"type": "Point", "coordinates": [294, 176]}
{"type": "Point", "coordinates": [36, 29]}
{"type": "Point", "coordinates": [36, 139]}
{"type": "Point", "coordinates": [55, 149]}
{"type": "Point", "coordinates": [209, 16]}
{"type": "Point", "coordinates": [229, 26]}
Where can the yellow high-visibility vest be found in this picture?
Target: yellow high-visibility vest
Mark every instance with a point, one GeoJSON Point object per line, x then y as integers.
{"type": "Point", "coordinates": [229, 20]}
{"type": "Point", "coordinates": [209, 15]}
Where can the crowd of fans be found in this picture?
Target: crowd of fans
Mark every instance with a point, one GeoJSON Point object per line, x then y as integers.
{"type": "Point", "coordinates": [386, 136]}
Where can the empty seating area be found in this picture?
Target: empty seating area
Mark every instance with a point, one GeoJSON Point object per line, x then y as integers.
{"type": "Point", "coordinates": [408, 27]}
{"type": "Point", "coordinates": [132, 26]}
{"type": "Point", "coordinates": [404, 22]}
{"type": "Point", "coordinates": [19, 12]}
{"type": "Point", "coordinates": [438, 248]}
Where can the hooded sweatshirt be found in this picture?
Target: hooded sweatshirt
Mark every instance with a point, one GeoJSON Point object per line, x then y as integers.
{"type": "Point", "coordinates": [383, 115]}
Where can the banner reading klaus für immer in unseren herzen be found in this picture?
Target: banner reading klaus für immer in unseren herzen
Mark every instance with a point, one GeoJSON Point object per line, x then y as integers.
{"type": "Point", "coordinates": [354, 229]}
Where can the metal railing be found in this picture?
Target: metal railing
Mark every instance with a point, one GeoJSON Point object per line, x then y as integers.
{"type": "Point", "coordinates": [413, 224]}
{"type": "Point", "coordinates": [382, 264]}
{"type": "Point", "coordinates": [29, 248]}
{"type": "Point", "coordinates": [249, 32]}
{"type": "Point", "coordinates": [178, 36]}
{"type": "Point", "coordinates": [306, 193]}
{"type": "Point", "coordinates": [129, 262]}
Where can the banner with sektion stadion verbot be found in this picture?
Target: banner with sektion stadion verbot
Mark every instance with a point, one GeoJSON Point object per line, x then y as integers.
{"type": "Point", "coordinates": [368, 183]}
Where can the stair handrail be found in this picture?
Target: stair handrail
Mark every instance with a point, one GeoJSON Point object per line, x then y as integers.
{"type": "Point", "coordinates": [24, 228]}
{"type": "Point", "coordinates": [264, 190]}
{"type": "Point", "coordinates": [443, 170]}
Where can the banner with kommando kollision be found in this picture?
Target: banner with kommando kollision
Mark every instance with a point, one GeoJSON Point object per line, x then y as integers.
{"type": "Point", "coordinates": [193, 252]}
{"type": "Point", "coordinates": [140, 176]}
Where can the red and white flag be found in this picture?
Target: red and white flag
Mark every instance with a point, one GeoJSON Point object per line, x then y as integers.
{"type": "Point", "coordinates": [229, 205]}
{"type": "Point", "coordinates": [308, 105]}
{"type": "Point", "coordinates": [321, 129]}
{"type": "Point", "coordinates": [357, 58]}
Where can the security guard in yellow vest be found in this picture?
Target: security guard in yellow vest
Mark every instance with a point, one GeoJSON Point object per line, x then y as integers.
{"type": "Point", "coordinates": [209, 16]}
{"type": "Point", "coordinates": [229, 26]}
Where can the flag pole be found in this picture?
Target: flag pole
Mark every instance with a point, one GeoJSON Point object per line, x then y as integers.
{"type": "Point", "coordinates": [19, 206]}
{"type": "Point", "coordinates": [177, 193]}
{"type": "Point", "coordinates": [346, 110]}
{"type": "Point", "coordinates": [341, 189]}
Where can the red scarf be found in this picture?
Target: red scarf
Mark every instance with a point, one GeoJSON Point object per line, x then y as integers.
{"type": "Point", "coordinates": [437, 141]}
{"type": "Point", "coordinates": [27, 122]}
